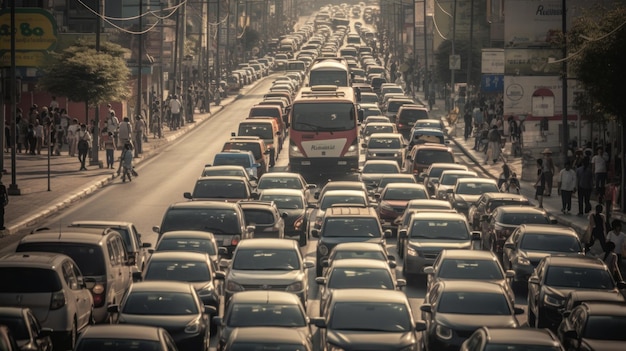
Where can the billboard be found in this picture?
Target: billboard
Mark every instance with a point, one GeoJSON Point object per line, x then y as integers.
{"type": "Point", "coordinates": [537, 96]}
{"type": "Point", "coordinates": [492, 83]}
{"type": "Point", "coordinates": [492, 61]}
{"type": "Point", "coordinates": [535, 23]}
{"type": "Point", "coordinates": [532, 62]}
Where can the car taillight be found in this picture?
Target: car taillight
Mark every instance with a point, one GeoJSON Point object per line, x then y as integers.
{"type": "Point", "coordinates": [57, 300]}
{"type": "Point", "coordinates": [98, 293]}
{"type": "Point", "coordinates": [400, 125]}
{"type": "Point", "coordinates": [235, 240]}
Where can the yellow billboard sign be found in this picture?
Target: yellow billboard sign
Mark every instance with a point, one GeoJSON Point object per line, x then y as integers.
{"type": "Point", "coordinates": [35, 30]}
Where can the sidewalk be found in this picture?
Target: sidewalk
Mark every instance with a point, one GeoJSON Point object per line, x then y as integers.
{"type": "Point", "coordinates": [46, 190]}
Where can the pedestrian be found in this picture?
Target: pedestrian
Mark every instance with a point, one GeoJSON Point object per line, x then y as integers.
{"type": "Point", "coordinates": [548, 170]}
{"type": "Point", "coordinates": [584, 177]}
{"type": "Point", "coordinates": [21, 125]}
{"type": "Point", "coordinates": [107, 142]}
{"type": "Point", "coordinates": [578, 158]}
{"type": "Point", "coordinates": [566, 186]}
{"type": "Point", "coordinates": [175, 109]}
{"type": "Point", "coordinates": [65, 123]}
{"type": "Point", "coordinates": [54, 104]}
{"type": "Point", "coordinates": [31, 139]}
{"type": "Point", "coordinates": [612, 261]}
{"type": "Point", "coordinates": [478, 115]}
{"type": "Point", "coordinates": [617, 237]}
{"type": "Point", "coordinates": [125, 132]}
{"type": "Point", "coordinates": [469, 123]}
{"type": "Point", "coordinates": [493, 150]}
{"type": "Point", "coordinates": [72, 139]}
{"type": "Point", "coordinates": [83, 144]}
{"type": "Point", "coordinates": [126, 163]}
{"type": "Point", "coordinates": [597, 242]}
{"type": "Point", "coordinates": [4, 201]}
{"type": "Point", "coordinates": [599, 168]}
{"type": "Point", "coordinates": [39, 136]}
{"type": "Point", "coordinates": [113, 124]}
{"type": "Point", "coordinates": [539, 184]}
{"type": "Point", "coordinates": [139, 134]}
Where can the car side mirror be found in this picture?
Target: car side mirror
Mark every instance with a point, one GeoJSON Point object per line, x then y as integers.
{"type": "Point", "coordinates": [224, 264]}
{"type": "Point", "coordinates": [250, 229]}
{"type": "Point", "coordinates": [510, 274]}
{"type": "Point", "coordinates": [449, 191]}
{"type": "Point", "coordinates": [484, 218]}
{"type": "Point", "coordinates": [518, 310]}
{"type": "Point", "coordinates": [217, 320]}
{"type": "Point", "coordinates": [210, 309]}
{"type": "Point", "coordinates": [325, 263]}
{"type": "Point", "coordinates": [408, 156]}
{"type": "Point", "coordinates": [364, 146]}
{"type": "Point", "coordinates": [315, 233]}
{"type": "Point", "coordinates": [146, 245]}
{"type": "Point", "coordinates": [156, 229]}
{"type": "Point", "coordinates": [426, 308]}
{"type": "Point", "coordinates": [137, 276]}
{"type": "Point", "coordinates": [319, 322]}
{"type": "Point", "coordinates": [387, 233]}
{"type": "Point", "coordinates": [284, 215]}
{"type": "Point", "coordinates": [311, 186]}
{"type": "Point", "coordinates": [621, 285]}
{"type": "Point", "coordinates": [254, 195]}
{"type": "Point", "coordinates": [113, 308]}
{"type": "Point", "coordinates": [553, 220]}
{"type": "Point", "coordinates": [429, 270]}
{"type": "Point", "coordinates": [570, 334]}
{"type": "Point", "coordinates": [219, 275]}
{"type": "Point", "coordinates": [45, 332]}
{"type": "Point", "coordinates": [392, 264]}
{"type": "Point", "coordinates": [377, 196]}
{"type": "Point", "coordinates": [187, 195]}
{"type": "Point", "coordinates": [232, 134]}
{"type": "Point", "coordinates": [401, 283]}
{"type": "Point", "coordinates": [222, 251]}
{"type": "Point", "coordinates": [403, 233]}
{"type": "Point", "coordinates": [311, 206]}
{"type": "Point", "coordinates": [320, 280]}
{"type": "Point", "coordinates": [420, 326]}
{"type": "Point", "coordinates": [308, 264]}
{"type": "Point", "coordinates": [316, 196]}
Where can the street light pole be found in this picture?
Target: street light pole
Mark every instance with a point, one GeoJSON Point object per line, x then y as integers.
{"type": "Point", "coordinates": [96, 125]}
{"type": "Point", "coordinates": [451, 97]}
{"type": "Point", "coordinates": [139, 61]}
{"type": "Point", "coordinates": [13, 189]}
{"type": "Point", "coordinates": [565, 128]}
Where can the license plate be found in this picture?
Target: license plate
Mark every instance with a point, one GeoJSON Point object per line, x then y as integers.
{"type": "Point", "coordinates": [342, 163]}
{"type": "Point", "coordinates": [305, 163]}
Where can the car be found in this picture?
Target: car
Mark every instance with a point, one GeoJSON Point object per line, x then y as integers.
{"type": "Point", "coordinates": [468, 190]}
{"type": "Point", "coordinates": [485, 339]}
{"type": "Point", "coordinates": [267, 264]}
{"type": "Point", "coordinates": [191, 267]}
{"type": "Point", "coordinates": [373, 170]}
{"type": "Point", "coordinates": [369, 97]}
{"type": "Point", "coordinates": [577, 297]}
{"type": "Point", "coordinates": [356, 273]}
{"type": "Point", "coordinates": [453, 310]}
{"type": "Point", "coordinates": [469, 265]}
{"type": "Point", "coordinates": [594, 326]}
{"type": "Point", "coordinates": [266, 129]}
{"type": "Point", "coordinates": [190, 241]}
{"type": "Point", "coordinates": [262, 308]}
{"type": "Point", "coordinates": [173, 306]}
{"type": "Point", "coordinates": [376, 127]}
{"type": "Point", "coordinates": [267, 338]}
{"type": "Point", "coordinates": [556, 276]}
{"type": "Point", "coordinates": [53, 287]}
{"type": "Point", "coordinates": [356, 319]}
{"type": "Point", "coordinates": [407, 116]}
{"type": "Point", "coordinates": [374, 119]}
{"type": "Point", "coordinates": [346, 224]}
{"type": "Point", "coordinates": [223, 219]}
{"type": "Point", "coordinates": [430, 124]}
{"type": "Point", "coordinates": [254, 144]}
{"type": "Point", "coordinates": [227, 171]}
{"type": "Point", "coordinates": [361, 250]}
{"type": "Point", "coordinates": [335, 198]}
{"type": "Point", "coordinates": [244, 158]}
{"type": "Point", "coordinates": [419, 136]}
{"type": "Point", "coordinates": [100, 255]}
{"type": "Point", "coordinates": [432, 175]}
{"type": "Point", "coordinates": [417, 205]}
{"type": "Point", "coordinates": [26, 329]}
{"type": "Point", "coordinates": [393, 104]}
{"type": "Point", "coordinates": [285, 180]}
{"type": "Point", "coordinates": [392, 178]}
{"type": "Point", "coordinates": [489, 202]}
{"type": "Point", "coordinates": [366, 110]}
{"type": "Point", "coordinates": [447, 180]}
{"type": "Point", "coordinates": [265, 217]}
{"type": "Point", "coordinates": [529, 243]}
{"type": "Point", "coordinates": [499, 224]}
{"type": "Point", "coordinates": [427, 234]}
{"type": "Point", "coordinates": [423, 155]}
{"type": "Point", "coordinates": [392, 201]}
{"type": "Point", "coordinates": [385, 146]}
{"type": "Point", "coordinates": [125, 337]}
{"type": "Point", "coordinates": [293, 208]}
{"type": "Point", "coordinates": [339, 185]}
{"type": "Point", "coordinates": [221, 188]}
{"type": "Point", "coordinates": [136, 249]}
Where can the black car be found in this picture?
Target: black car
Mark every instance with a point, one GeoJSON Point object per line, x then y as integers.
{"type": "Point", "coordinates": [25, 328]}
{"type": "Point", "coordinates": [594, 326]}
{"type": "Point", "coordinates": [262, 308]}
{"type": "Point", "coordinates": [557, 276]}
{"type": "Point", "coordinates": [125, 338]}
{"type": "Point", "coordinates": [293, 209]}
{"type": "Point", "coordinates": [520, 339]}
{"type": "Point", "coordinates": [488, 202]}
{"type": "Point", "coordinates": [358, 319]}
{"type": "Point", "coordinates": [578, 297]}
{"type": "Point", "coordinates": [173, 306]}
{"type": "Point", "coordinates": [468, 190]}
{"type": "Point", "coordinates": [190, 241]}
{"type": "Point", "coordinates": [453, 310]}
{"type": "Point", "coordinates": [497, 227]}
{"type": "Point", "coordinates": [267, 338]}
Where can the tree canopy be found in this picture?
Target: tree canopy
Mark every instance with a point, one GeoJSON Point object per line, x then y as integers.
{"type": "Point", "coordinates": [83, 74]}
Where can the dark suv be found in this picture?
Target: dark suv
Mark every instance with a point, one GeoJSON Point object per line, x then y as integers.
{"type": "Point", "coordinates": [346, 224]}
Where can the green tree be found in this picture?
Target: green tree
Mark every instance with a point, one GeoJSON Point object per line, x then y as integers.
{"type": "Point", "coordinates": [83, 74]}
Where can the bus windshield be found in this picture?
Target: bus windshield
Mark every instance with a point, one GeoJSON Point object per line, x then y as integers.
{"type": "Point", "coordinates": [327, 77]}
{"type": "Point", "coordinates": [330, 117]}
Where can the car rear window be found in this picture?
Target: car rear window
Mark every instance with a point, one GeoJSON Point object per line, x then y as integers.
{"type": "Point", "coordinates": [434, 156]}
{"type": "Point", "coordinates": [89, 258]}
{"type": "Point", "coordinates": [227, 189]}
{"type": "Point", "coordinates": [263, 131]}
{"type": "Point", "coordinates": [259, 112]}
{"type": "Point", "coordinates": [258, 217]}
{"type": "Point", "coordinates": [182, 244]}
{"type": "Point", "coordinates": [216, 221]}
{"type": "Point", "coordinates": [28, 280]}
{"type": "Point", "coordinates": [254, 147]}
{"type": "Point", "coordinates": [232, 160]}
{"type": "Point", "coordinates": [410, 116]}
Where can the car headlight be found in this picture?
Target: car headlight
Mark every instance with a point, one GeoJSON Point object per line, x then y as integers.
{"type": "Point", "coordinates": [193, 327]}
{"type": "Point", "coordinates": [443, 332]}
{"type": "Point", "coordinates": [353, 150]}
{"type": "Point", "coordinates": [411, 251]}
{"type": "Point", "coordinates": [323, 249]}
{"type": "Point", "coordinates": [331, 347]}
{"type": "Point", "coordinates": [552, 300]}
{"type": "Point", "coordinates": [232, 286]}
{"type": "Point", "coordinates": [523, 261]}
{"type": "Point", "coordinates": [298, 286]}
{"type": "Point", "coordinates": [294, 151]}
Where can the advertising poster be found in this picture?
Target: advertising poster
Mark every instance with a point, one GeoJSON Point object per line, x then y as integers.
{"type": "Point", "coordinates": [537, 97]}
{"type": "Point", "coordinates": [532, 62]}
{"type": "Point", "coordinates": [535, 22]}
{"type": "Point", "coordinates": [492, 61]}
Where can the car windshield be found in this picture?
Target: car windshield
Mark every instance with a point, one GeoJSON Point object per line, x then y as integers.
{"type": "Point", "coordinates": [579, 277]}
{"type": "Point", "coordinates": [265, 315]}
{"type": "Point", "coordinates": [405, 194]}
{"type": "Point", "coordinates": [232, 160]}
{"type": "Point", "coordinates": [605, 328]}
{"type": "Point", "coordinates": [220, 189]}
{"type": "Point", "coordinates": [28, 280]}
{"type": "Point", "coordinates": [360, 278]}
{"type": "Point", "coordinates": [159, 304]}
{"type": "Point", "coordinates": [117, 344]}
{"type": "Point", "coordinates": [493, 204]}
{"type": "Point", "coordinates": [469, 269]}
{"type": "Point", "coordinates": [370, 316]}
{"type": "Point", "coordinates": [474, 303]}
{"type": "Point", "coordinates": [520, 218]}
{"type": "Point", "coordinates": [450, 179]}
{"type": "Point", "coordinates": [245, 346]}
{"type": "Point", "coordinates": [266, 260]}
{"type": "Point", "coordinates": [330, 200]}
{"type": "Point", "coordinates": [476, 188]}
{"type": "Point", "coordinates": [89, 258]}
{"type": "Point", "coordinates": [521, 347]}
{"type": "Point", "coordinates": [181, 244]}
{"type": "Point", "coordinates": [428, 157]}
{"type": "Point", "coordinates": [279, 183]}
{"type": "Point", "coordinates": [353, 227]}
{"type": "Point", "coordinates": [347, 254]}
{"type": "Point", "coordinates": [183, 271]}
{"type": "Point", "coordinates": [380, 168]}
{"type": "Point", "coordinates": [217, 221]}
{"type": "Point", "coordinates": [410, 116]}
{"type": "Point", "coordinates": [16, 325]}
{"type": "Point", "coordinates": [285, 202]}
{"type": "Point", "coordinates": [553, 243]}
{"type": "Point", "coordinates": [384, 143]}
{"type": "Point", "coordinates": [440, 229]}
{"type": "Point", "coordinates": [369, 130]}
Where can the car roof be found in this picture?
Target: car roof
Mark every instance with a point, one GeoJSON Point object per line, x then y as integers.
{"type": "Point", "coordinates": [342, 192]}
{"type": "Point", "coordinates": [229, 178]}
{"type": "Point", "coordinates": [178, 255]}
{"type": "Point", "coordinates": [575, 261]}
{"type": "Point", "coordinates": [596, 296]}
{"type": "Point", "coordinates": [204, 205]}
{"type": "Point", "coordinates": [365, 295]}
{"type": "Point", "coordinates": [32, 259]}
{"type": "Point", "coordinates": [380, 162]}
{"type": "Point", "coordinates": [398, 176]}
{"type": "Point", "coordinates": [468, 254]}
{"type": "Point", "coordinates": [458, 172]}
{"type": "Point", "coordinates": [358, 211]}
{"type": "Point", "coordinates": [379, 124]}
{"type": "Point", "coordinates": [520, 209]}
{"type": "Point", "coordinates": [265, 297]}
{"type": "Point", "coordinates": [530, 336]}
{"type": "Point", "coordinates": [609, 309]}
{"type": "Point", "coordinates": [191, 234]}
{"type": "Point", "coordinates": [121, 331]}
{"type": "Point", "coordinates": [360, 263]}
{"type": "Point", "coordinates": [505, 196]}
{"type": "Point", "coordinates": [432, 146]}
{"type": "Point", "coordinates": [448, 166]}
{"type": "Point", "coordinates": [358, 246]}
{"type": "Point", "coordinates": [162, 286]}
{"type": "Point", "coordinates": [344, 183]}
{"type": "Point", "coordinates": [385, 135]}
{"type": "Point", "coordinates": [547, 229]}
{"type": "Point", "coordinates": [226, 167]}
{"type": "Point", "coordinates": [280, 175]}
{"type": "Point", "coordinates": [266, 243]}
{"type": "Point", "coordinates": [69, 236]}
{"type": "Point", "coordinates": [439, 216]}
{"type": "Point", "coordinates": [274, 335]}
{"type": "Point", "coordinates": [429, 202]}
{"type": "Point", "coordinates": [100, 224]}
{"type": "Point", "coordinates": [475, 180]}
{"type": "Point", "coordinates": [287, 192]}
{"type": "Point", "coordinates": [405, 185]}
{"type": "Point", "coordinates": [475, 287]}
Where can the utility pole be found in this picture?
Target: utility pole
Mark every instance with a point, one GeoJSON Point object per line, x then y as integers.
{"type": "Point", "coordinates": [139, 62]}
{"type": "Point", "coordinates": [565, 122]}
{"type": "Point", "coordinates": [451, 97]}
{"type": "Point", "coordinates": [13, 189]}
{"type": "Point", "coordinates": [469, 53]}
{"type": "Point", "coordinates": [426, 69]}
{"type": "Point", "coordinates": [96, 128]}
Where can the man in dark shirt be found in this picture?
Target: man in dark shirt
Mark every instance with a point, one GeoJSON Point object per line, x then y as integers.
{"type": "Point", "coordinates": [584, 177]}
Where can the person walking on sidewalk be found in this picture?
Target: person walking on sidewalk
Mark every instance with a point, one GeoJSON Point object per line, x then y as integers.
{"type": "Point", "coordinates": [175, 109]}
{"type": "Point", "coordinates": [126, 163]}
{"type": "Point", "coordinates": [598, 231]}
{"type": "Point", "coordinates": [125, 132]}
{"type": "Point", "coordinates": [566, 186]}
{"type": "Point", "coordinates": [139, 134]}
{"type": "Point", "coordinates": [72, 138]}
{"type": "Point", "coordinates": [617, 237]}
{"type": "Point", "coordinates": [469, 123]}
{"type": "Point", "coordinates": [84, 144]}
{"type": "Point", "coordinates": [539, 184]}
{"type": "Point", "coordinates": [107, 142]}
{"type": "Point", "coordinates": [4, 201]}
{"type": "Point", "coordinates": [548, 170]}
{"type": "Point", "coordinates": [599, 168]}
{"type": "Point", "coordinates": [113, 124]}
{"type": "Point", "coordinates": [584, 177]}
{"type": "Point", "coordinates": [493, 150]}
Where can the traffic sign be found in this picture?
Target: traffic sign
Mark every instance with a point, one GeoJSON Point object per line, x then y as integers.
{"type": "Point", "coordinates": [455, 62]}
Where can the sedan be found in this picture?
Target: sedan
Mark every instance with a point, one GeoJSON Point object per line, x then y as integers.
{"type": "Point", "coordinates": [468, 190]}
{"type": "Point", "coordinates": [492, 339]}
{"type": "Point", "coordinates": [125, 338]}
{"type": "Point", "coordinates": [594, 326]}
{"type": "Point", "coordinates": [334, 198]}
{"type": "Point", "coordinates": [26, 330]}
{"type": "Point", "coordinates": [393, 200]}
{"type": "Point", "coordinates": [433, 173]}
{"type": "Point", "coordinates": [377, 127]}
{"type": "Point", "coordinates": [357, 319]}
{"type": "Point", "coordinates": [173, 306]}
{"type": "Point", "coordinates": [393, 178]}
{"type": "Point", "coordinates": [263, 308]}
{"type": "Point", "coordinates": [503, 220]}
{"type": "Point", "coordinates": [221, 188]}
{"type": "Point", "coordinates": [385, 146]}
{"type": "Point", "coordinates": [447, 180]}
{"type": "Point", "coordinates": [190, 241]}
{"type": "Point", "coordinates": [362, 250]}
{"type": "Point", "coordinates": [228, 171]}
{"type": "Point", "coordinates": [293, 208]}
{"type": "Point", "coordinates": [373, 170]}
{"type": "Point", "coordinates": [284, 180]}
{"type": "Point", "coordinates": [267, 338]}
{"type": "Point", "coordinates": [455, 309]}
{"type": "Point", "coordinates": [488, 202]}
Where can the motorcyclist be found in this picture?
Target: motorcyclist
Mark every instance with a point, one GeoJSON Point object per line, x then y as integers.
{"type": "Point", "coordinates": [504, 176]}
